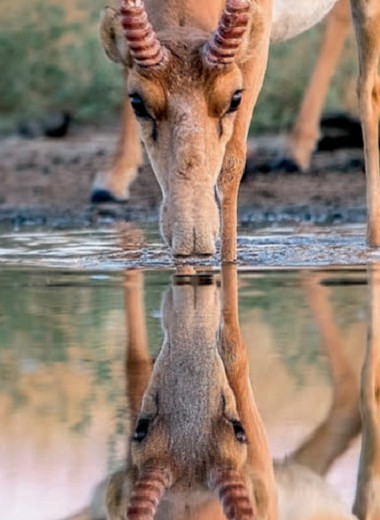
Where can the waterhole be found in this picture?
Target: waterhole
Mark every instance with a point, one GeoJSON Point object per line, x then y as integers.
{"type": "Point", "coordinates": [76, 305]}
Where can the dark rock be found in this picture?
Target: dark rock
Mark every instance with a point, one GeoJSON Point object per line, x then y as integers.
{"type": "Point", "coordinates": [339, 131]}
{"type": "Point", "coordinates": [54, 125]}
{"type": "Point", "coordinates": [57, 125]}
{"type": "Point", "coordinates": [103, 196]}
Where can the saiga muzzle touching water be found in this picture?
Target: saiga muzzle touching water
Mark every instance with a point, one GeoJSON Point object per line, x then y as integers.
{"type": "Point", "coordinates": [193, 81]}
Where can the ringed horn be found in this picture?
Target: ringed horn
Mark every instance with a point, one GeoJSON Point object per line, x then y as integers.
{"type": "Point", "coordinates": [148, 492]}
{"type": "Point", "coordinates": [223, 45]}
{"type": "Point", "coordinates": [144, 46]}
{"type": "Point", "coordinates": [233, 494]}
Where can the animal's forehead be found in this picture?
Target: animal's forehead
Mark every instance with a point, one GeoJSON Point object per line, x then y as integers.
{"type": "Point", "coordinates": [186, 69]}
{"type": "Point", "coordinates": [183, 69]}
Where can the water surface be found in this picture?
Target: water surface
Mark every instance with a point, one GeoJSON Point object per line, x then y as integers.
{"type": "Point", "coordinates": [64, 331]}
{"type": "Point", "coordinates": [134, 245]}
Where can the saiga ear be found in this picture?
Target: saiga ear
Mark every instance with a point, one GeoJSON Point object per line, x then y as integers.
{"type": "Point", "coordinates": [112, 36]}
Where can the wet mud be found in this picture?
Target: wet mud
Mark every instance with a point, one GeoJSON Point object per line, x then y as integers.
{"type": "Point", "coordinates": [47, 182]}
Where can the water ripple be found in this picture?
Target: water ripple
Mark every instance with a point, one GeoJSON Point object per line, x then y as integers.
{"type": "Point", "coordinates": [119, 248]}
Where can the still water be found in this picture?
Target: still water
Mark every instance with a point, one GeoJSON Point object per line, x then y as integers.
{"type": "Point", "coordinates": [76, 352]}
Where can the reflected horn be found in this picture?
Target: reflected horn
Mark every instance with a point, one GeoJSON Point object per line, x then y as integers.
{"type": "Point", "coordinates": [147, 493]}
{"type": "Point", "coordinates": [233, 494]}
{"type": "Point", "coordinates": [224, 44]}
{"type": "Point", "coordinates": [145, 48]}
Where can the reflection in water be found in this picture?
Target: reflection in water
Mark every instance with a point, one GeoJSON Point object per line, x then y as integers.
{"type": "Point", "coordinates": [191, 422]}
{"type": "Point", "coordinates": [198, 433]}
{"type": "Point", "coordinates": [198, 446]}
{"type": "Point", "coordinates": [367, 501]}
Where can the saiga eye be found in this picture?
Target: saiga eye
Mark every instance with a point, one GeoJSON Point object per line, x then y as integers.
{"type": "Point", "coordinates": [239, 432]}
{"type": "Point", "coordinates": [139, 107]}
{"type": "Point", "coordinates": [235, 101]}
{"type": "Point", "coordinates": [141, 430]}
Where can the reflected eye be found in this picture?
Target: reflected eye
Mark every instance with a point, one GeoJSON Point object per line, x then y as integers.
{"type": "Point", "coordinates": [235, 101]}
{"type": "Point", "coordinates": [239, 432]}
{"type": "Point", "coordinates": [141, 430]}
{"type": "Point", "coordinates": [139, 107]}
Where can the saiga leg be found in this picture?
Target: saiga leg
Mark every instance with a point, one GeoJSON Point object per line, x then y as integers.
{"type": "Point", "coordinates": [138, 371]}
{"type": "Point", "coordinates": [343, 422]}
{"type": "Point", "coordinates": [235, 358]}
{"type": "Point", "coordinates": [236, 151]}
{"type": "Point", "coordinates": [113, 185]}
{"type": "Point", "coordinates": [367, 501]}
{"type": "Point", "coordinates": [305, 132]}
{"type": "Point", "coordinates": [366, 15]}
{"type": "Point", "coordinates": [138, 359]}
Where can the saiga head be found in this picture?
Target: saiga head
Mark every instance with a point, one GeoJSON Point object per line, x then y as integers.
{"type": "Point", "coordinates": [188, 440]}
{"type": "Point", "coordinates": [185, 88]}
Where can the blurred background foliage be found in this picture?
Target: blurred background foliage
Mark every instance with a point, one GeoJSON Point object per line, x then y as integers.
{"type": "Point", "coordinates": [51, 60]}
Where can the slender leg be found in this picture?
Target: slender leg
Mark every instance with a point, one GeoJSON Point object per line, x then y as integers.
{"type": "Point", "coordinates": [367, 501]}
{"type": "Point", "coordinates": [138, 359]}
{"type": "Point", "coordinates": [235, 156]}
{"type": "Point", "coordinates": [343, 422]}
{"type": "Point", "coordinates": [366, 15]}
{"type": "Point", "coordinates": [305, 132]}
{"type": "Point", "coordinates": [113, 185]}
{"type": "Point", "coordinates": [235, 358]}
{"type": "Point", "coordinates": [138, 372]}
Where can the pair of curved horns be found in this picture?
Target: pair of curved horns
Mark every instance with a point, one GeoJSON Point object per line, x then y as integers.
{"type": "Point", "coordinates": [221, 48]}
{"type": "Point", "coordinates": [151, 486]}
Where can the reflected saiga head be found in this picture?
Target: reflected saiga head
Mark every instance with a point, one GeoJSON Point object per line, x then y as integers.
{"type": "Point", "coordinates": [188, 440]}
{"type": "Point", "coordinates": [185, 87]}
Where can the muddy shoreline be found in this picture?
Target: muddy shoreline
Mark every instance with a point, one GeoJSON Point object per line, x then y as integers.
{"type": "Point", "coordinates": [47, 182]}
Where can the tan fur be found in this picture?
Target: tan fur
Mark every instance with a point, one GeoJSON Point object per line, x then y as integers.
{"type": "Point", "coordinates": [366, 15]}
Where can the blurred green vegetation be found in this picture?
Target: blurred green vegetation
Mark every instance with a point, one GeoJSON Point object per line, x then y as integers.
{"type": "Point", "coordinates": [289, 69]}
{"type": "Point", "coordinates": [51, 59]}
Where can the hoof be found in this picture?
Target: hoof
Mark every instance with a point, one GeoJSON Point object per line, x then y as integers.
{"type": "Point", "coordinates": [101, 196]}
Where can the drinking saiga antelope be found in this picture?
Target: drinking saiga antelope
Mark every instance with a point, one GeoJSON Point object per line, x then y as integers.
{"type": "Point", "coordinates": [192, 79]}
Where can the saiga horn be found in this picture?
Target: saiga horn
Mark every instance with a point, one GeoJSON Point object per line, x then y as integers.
{"type": "Point", "coordinates": [233, 494]}
{"type": "Point", "coordinates": [147, 493]}
{"type": "Point", "coordinates": [145, 48]}
{"type": "Point", "coordinates": [223, 45]}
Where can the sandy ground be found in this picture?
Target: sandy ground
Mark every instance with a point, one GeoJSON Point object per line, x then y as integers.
{"type": "Point", "coordinates": [48, 181]}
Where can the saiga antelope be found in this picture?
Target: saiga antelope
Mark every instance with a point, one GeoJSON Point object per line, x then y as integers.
{"type": "Point", "coordinates": [193, 88]}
